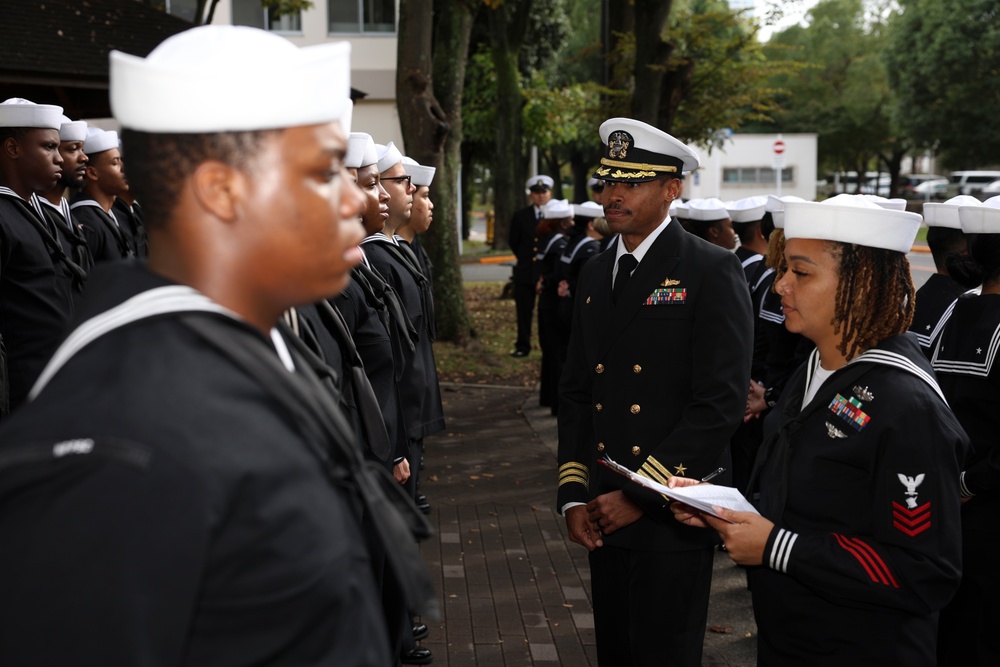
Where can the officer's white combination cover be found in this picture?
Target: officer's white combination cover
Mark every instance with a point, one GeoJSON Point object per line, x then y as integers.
{"type": "Point", "coordinates": [360, 150]}
{"type": "Point", "coordinates": [981, 218]}
{"type": "Point", "coordinates": [222, 78]}
{"type": "Point", "coordinates": [19, 112]}
{"type": "Point", "coordinates": [388, 156]}
{"type": "Point", "coordinates": [99, 140]}
{"type": "Point", "coordinates": [539, 181]}
{"type": "Point", "coordinates": [557, 208]}
{"type": "Point", "coordinates": [945, 214]}
{"type": "Point", "coordinates": [851, 219]}
{"type": "Point", "coordinates": [418, 173]}
{"type": "Point", "coordinates": [748, 209]}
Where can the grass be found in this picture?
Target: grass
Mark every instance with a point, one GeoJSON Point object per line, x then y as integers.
{"type": "Point", "coordinates": [486, 359]}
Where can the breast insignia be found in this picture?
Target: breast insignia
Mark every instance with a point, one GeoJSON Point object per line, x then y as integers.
{"type": "Point", "coordinates": [833, 431]}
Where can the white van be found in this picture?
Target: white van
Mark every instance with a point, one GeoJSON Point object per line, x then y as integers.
{"type": "Point", "coordinates": [970, 182]}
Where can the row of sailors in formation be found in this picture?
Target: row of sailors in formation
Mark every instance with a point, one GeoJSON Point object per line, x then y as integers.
{"type": "Point", "coordinates": [376, 335]}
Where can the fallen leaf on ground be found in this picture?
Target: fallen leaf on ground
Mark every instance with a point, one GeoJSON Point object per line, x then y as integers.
{"type": "Point", "coordinates": [721, 629]}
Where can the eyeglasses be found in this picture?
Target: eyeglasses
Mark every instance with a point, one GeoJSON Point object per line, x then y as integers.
{"type": "Point", "coordinates": [408, 179]}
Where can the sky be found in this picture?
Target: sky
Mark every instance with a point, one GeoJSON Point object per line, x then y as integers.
{"type": "Point", "coordinates": [793, 15]}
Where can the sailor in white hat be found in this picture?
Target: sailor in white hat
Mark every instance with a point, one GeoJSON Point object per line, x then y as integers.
{"type": "Point", "coordinates": [418, 384]}
{"type": "Point", "coordinates": [662, 330]}
{"type": "Point", "coordinates": [421, 216]}
{"type": "Point", "coordinates": [964, 360]}
{"type": "Point", "coordinates": [104, 182]}
{"type": "Point", "coordinates": [746, 215]}
{"type": "Point", "coordinates": [38, 277]}
{"type": "Point", "coordinates": [72, 134]}
{"type": "Point", "coordinates": [206, 455]}
{"type": "Point", "coordinates": [944, 238]}
{"type": "Point", "coordinates": [709, 219]}
{"type": "Point", "coordinates": [832, 546]}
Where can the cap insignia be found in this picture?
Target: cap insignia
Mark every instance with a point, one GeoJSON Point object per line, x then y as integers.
{"type": "Point", "coordinates": [618, 144]}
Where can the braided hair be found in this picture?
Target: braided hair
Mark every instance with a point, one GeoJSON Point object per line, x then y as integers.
{"type": "Point", "coordinates": [875, 295]}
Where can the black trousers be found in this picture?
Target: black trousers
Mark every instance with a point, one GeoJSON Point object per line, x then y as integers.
{"type": "Point", "coordinates": [524, 303]}
{"type": "Point", "coordinates": [650, 607]}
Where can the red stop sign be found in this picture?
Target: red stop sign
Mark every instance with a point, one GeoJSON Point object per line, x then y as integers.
{"type": "Point", "coordinates": [779, 147]}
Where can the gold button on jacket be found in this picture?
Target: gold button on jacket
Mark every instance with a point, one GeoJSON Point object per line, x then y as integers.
{"type": "Point", "coordinates": [635, 409]}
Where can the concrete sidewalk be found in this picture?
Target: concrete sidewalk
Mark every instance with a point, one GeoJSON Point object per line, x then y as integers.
{"type": "Point", "coordinates": [514, 590]}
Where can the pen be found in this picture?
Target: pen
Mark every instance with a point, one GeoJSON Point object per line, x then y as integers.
{"type": "Point", "coordinates": [713, 474]}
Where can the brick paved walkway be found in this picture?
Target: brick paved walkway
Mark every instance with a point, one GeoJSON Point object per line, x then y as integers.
{"type": "Point", "coordinates": [514, 590]}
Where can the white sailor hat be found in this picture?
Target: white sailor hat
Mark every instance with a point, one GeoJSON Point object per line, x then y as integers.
{"type": "Point", "coordinates": [707, 210]}
{"type": "Point", "coordinates": [360, 150]}
{"type": "Point", "coordinates": [748, 209]}
{"type": "Point", "coordinates": [19, 112]}
{"type": "Point", "coordinates": [388, 156]}
{"type": "Point", "coordinates": [72, 130]}
{"type": "Point", "coordinates": [891, 204]}
{"type": "Point", "coordinates": [981, 218]}
{"type": "Point", "coordinates": [945, 214]}
{"type": "Point", "coordinates": [223, 78]}
{"type": "Point", "coordinates": [99, 140]}
{"type": "Point", "coordinates": [851, 219]}
{"type": "Point", "coordinates": [539, 182]}
{"type": "Point", "coordinates": [594, 183]}
{"type": "Point", "coordinates": [679, 209]}
{"type": "Point", "coordinates": [588, 209]}
{"type": "Point", "coordinates": [635, 152]}
{"type": "Point", "coordinates": [418, 173]}
{"type": "Point", "coordinates": [776, 207]}
{"type": "Point", "coordinates": [557, 208]}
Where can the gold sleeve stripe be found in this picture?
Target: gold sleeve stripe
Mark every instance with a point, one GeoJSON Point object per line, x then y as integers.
{"type": "Point", "coordinates": [659, 466]}
{"type": "Point", "coordinates": [574, 473]}
{"type": "Point", "coordinates": [647, 471]}
{"type": "Point", "coordinates": [573, 465]}
{"type": "Point", "coordinates": [574, 479]}
{"type": "Point", "coordinates": [645, 166]}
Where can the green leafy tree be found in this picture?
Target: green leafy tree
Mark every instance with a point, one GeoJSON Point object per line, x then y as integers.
{"type": "Point", "coordinates": [839, 88]}
{"type": "Point", "coordinates": [944, 64]}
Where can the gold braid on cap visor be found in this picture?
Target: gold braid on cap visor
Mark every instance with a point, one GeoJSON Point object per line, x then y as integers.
{"type": "Point", "coordinates": [639, 165]}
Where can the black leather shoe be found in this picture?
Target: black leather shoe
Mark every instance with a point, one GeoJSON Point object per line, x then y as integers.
{"type": "Point", "coordinates": [421, 499]}
{"type": "Point", "coordinates": [519, 353]}
{"type": "Point", "coordinates": [420, 631]}
{"type": "Point", "coordinates": [417, 656]}
{"type": "Point", "coordinates": [424, 507]}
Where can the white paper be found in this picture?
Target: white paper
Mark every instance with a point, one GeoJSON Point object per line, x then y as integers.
{"type": "Point", "coordinates": [701, 497]}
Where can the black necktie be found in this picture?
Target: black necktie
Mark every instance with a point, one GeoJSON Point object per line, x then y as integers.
{"type": "Point", "coordinates": [626, 265]}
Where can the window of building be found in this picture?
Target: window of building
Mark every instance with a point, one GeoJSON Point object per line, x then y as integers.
{"type": "Point", "coordinates": [362, 16]}
{"type": "Point", "coordinates": [252, 13]}
{"type": "Point", "coordinates": [184, 9]}
{"type": "Point", "coordinates": [754, 175]}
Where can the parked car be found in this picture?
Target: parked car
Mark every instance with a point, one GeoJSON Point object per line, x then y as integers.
{"type": "Point", "coordinates": [990, 190]}
{"type": "Point", "coordinates": [909, 182]}
{"type": "Point", "coordinates": [970, 182]}
{"type": "Point", "coordinates": [933, 189]}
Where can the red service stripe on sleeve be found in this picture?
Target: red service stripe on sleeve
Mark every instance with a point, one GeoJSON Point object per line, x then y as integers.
{"type": "Point", "coordinates": [854, 552]}
{"type": "Point", "coordinates": [871, 561]}
{"type": "Point", "coordinates": [912, 532]}
{"type": "Point", "coordinates": [879, 563]}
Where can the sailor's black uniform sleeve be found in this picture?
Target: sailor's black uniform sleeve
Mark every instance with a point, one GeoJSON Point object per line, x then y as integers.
{"type": "Point", "coordinates": [104, 547]}
{"type": "Point", "coordinates": [911, 559]}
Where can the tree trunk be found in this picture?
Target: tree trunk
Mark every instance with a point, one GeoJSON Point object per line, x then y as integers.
{"type": "Point", "coordinates": [651, 55]}
{"type": "Point", "coordinates": [432, 133]}
{"type": "Point", "coordinates": [507, 24]}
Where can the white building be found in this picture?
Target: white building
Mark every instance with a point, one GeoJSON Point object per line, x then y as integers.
{"type": "Point", "coordinates": [370, 27]}
{"type": "Point", "coordinates": [745, 166]}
